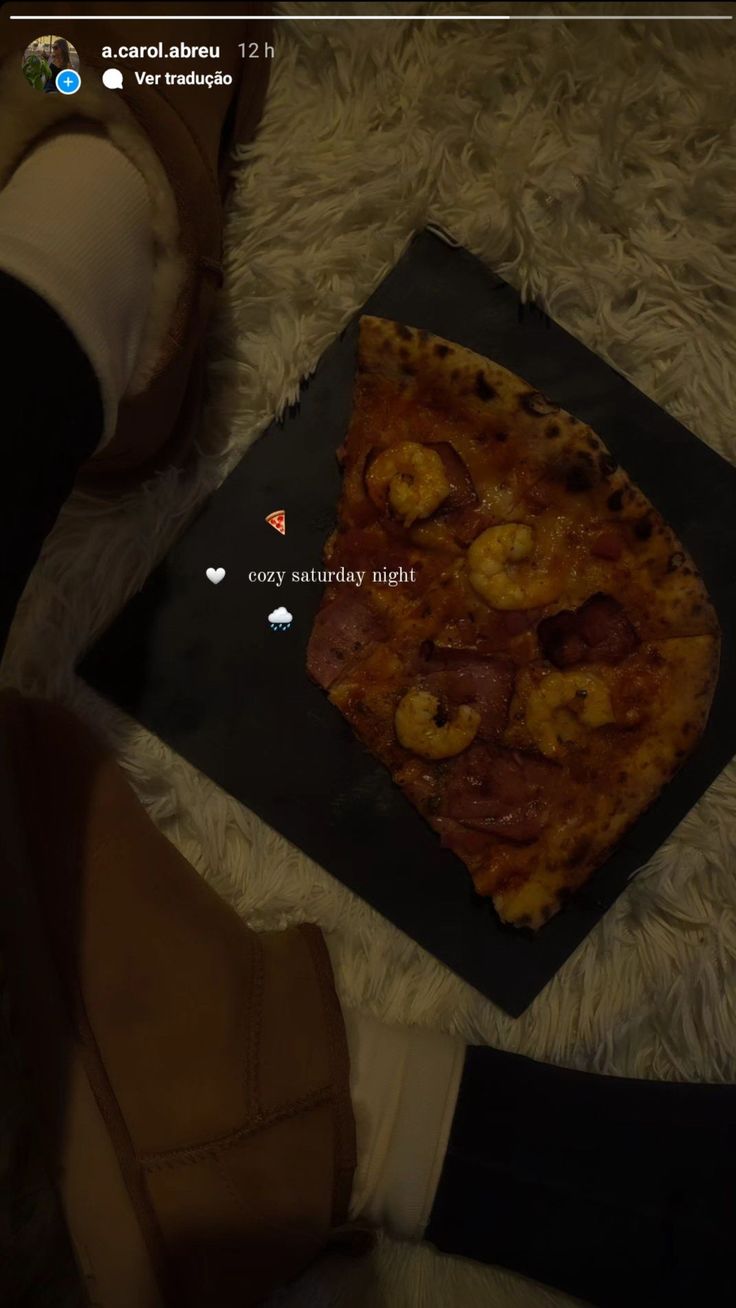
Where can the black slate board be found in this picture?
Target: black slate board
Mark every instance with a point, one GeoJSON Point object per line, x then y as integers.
{"type": "Point", "coordinates": [199, 665]}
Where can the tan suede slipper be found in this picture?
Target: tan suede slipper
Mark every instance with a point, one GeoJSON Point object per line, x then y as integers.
{"type": "Point", "coordinates": [180, 138]}
{"type": "Point", "coordinates": [191, 1076]}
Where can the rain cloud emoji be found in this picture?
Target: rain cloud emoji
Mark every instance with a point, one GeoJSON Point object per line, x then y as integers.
{"type": "Point", "coordinates": [281, 619]}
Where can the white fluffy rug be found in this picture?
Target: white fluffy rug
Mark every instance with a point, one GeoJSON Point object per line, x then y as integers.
{"type": "Point", "coordinates": [594, 166]}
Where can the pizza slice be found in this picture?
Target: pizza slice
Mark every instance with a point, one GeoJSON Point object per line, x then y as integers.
{"type": "Point", "coordinates": [554, 658]}
{"type": "Point", "coordinates": [277, 520]}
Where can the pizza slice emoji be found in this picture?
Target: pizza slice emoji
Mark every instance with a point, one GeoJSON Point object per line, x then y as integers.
{"type": "Point", "coordinates": [277, 520]}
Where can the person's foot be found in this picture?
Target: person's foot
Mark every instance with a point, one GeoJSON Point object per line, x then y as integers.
{"type": "Point", "coordinates": [179, 138]}
{"type": "Point", "coordinates": [191, 1076]}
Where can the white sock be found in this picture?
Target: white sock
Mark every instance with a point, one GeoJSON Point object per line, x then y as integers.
{"type": "Point", "coordinates": [75, 226]}
{"type": "Point", "coordinates": [404, 1083]}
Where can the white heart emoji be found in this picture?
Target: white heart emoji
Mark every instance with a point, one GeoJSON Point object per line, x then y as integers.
{"type": "Point", "coordinates": [215, 575]}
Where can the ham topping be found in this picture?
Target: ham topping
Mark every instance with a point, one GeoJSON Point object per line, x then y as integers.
{"type": "Point", "coordinates": [462, 676]}
{"type": "Point", "coordinates": [341, 632]}
{"type": "Point", "coordinates": [598, 632]}
{"type": "Point", "coordinates": [505, 792]}
{"type": "Point", "coordinates": [462, 490]}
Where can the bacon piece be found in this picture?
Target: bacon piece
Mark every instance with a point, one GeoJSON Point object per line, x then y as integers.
{"type": "Point", "coordinates": [462, 491]}
{"type": "Point", "coordinates": [342, 631]}
{"type": "Point", "coordinates": [462, 676]}
{"type": "Point", "coordinates": [598, 632]}
{"type": "Point", "coordinates": [505, 792]}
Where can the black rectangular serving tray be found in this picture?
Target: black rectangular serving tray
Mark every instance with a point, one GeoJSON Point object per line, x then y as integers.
{"type": "Point", "coordinates": [199, 665]}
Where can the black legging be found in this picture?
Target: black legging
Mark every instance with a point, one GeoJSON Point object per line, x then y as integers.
{"type": "Point", "coordinates": [618, 1191]}
{"type": "Point", "coordinates": [52, 420]}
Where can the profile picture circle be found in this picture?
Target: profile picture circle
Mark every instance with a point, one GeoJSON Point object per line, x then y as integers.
{"type": "Point", "coordinates": [46, 59]}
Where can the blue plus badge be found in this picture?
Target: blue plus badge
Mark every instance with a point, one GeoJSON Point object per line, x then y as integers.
{"type": "Point", "coordinates": [68, 81]}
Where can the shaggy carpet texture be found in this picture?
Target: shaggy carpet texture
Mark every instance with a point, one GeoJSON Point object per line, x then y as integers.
{"type": "Point", "coordinates": [594, 166]}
